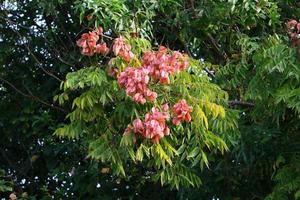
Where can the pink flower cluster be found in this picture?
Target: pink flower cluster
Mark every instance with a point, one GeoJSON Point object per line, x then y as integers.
{"type": "Point", "coordinates": [88, 43]}
{"type": "Point", "coordinates": [135, 81]}
{"type": "Point", "coordinates": [154, 126]}
{"type": "Point", "coordinates": [181, 112]}
{"type": "Point", "coordinates": [157, 65]}
{"type": "Point", "coordinates": [293, 27]}
{"type": "Point", "coordinates": [161, 64]}
{"type": "Point", "coordinates": [120, 48]}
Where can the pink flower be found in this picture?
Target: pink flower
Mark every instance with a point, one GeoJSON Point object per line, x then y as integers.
{"type": "Point", "coordinates": [181, 112]}
{"type": "Point", "coordinates": [113, 72]}
{"type": "Point", "coordinates": [165, 107]}
{"type": "Point", "coordinates": [138, 126]}
{"type": "Point", "coordinates": [161, 64]}
{"type": "Point", "coordinates": [179, 61]}
{"type": "Point", "coordinates": [102, 49]}
{"type": "Point", "coordinates": [154, 127]}
{"type": "Point", "coordinates": [87, 42]}
{"type": "Point", "coordinates": [99, 31]}
{"type": "Point", "coordinates": [120, 48]}
{"type": "Point", "coordinates": [291, 24]}
{"type": "Point", "coordinates": [128, 130]}
{"type": "Point", "coordinates": [294, 36]}
{"type": "Point", "coordinates": [294, 30]}
{"type": "Point", "coordinates": [135, 81]}
{"type": "Point", "coordinates": [157, 65]}
{"type": "Point", "coordinates": [298, 27]}
{"type": "Point", "coordinates": [151, 95]}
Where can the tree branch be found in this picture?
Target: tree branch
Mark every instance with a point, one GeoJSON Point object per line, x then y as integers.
{"type": "Point", "coordinates": [58, 56]}
{"type": "Point", "coordinates": [37, 60]}
{"type": "Point", "coordinates": [16, 89]}
{"type": "Point", "coordinates": [40, 65]}
{"type": "Point", "coordinates": [210, 73]}
{"type": "Point", "coordinates": [240, 103]}
{"type": "Point", "coordinates": [217, 47]}
{"type": "Point", "coordinates": [44, 102]}
{"type": "Point", "coordinates": [33, 97]}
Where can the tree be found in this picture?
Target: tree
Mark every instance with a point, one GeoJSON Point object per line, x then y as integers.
{"type": "Point", "coordinates": [243, 58]}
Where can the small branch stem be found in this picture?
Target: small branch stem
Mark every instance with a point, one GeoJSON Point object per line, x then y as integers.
{"type": "Point", "coordinates": [29, 50]}
{"type": "Point", "coordinates": [240, 103]}
{"type": "Point", "coordinates": [33, 97]}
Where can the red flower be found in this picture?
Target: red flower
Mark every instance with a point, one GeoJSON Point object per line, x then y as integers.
{"type": "Point", "coordinates": [89, 17]}
{"type": "Point", "coordinates": [128, 130]}
{"type": "Point", "coordinates": [113, 72]}
{"type": "Point", "coordinates": [181, 112]}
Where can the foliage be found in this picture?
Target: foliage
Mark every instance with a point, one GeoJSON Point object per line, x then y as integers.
{"type": "Point", "coordinates": [101, 113]}
{"type": "Point", "coordinates": [243, 64]}
{"type": "Point", "coordinates": [5, 186]}
{"type": "Point", "coordinates": [287, 186]}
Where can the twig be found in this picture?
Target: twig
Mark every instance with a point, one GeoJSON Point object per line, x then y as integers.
{"type": "Point", "coordinates": [46, 40]}
{"type": "Point", "coordinates": [16, 89]}
{"type": "Point", "coordinates": [90, 29]}
{"type": "Point", "coordinates": [106, 36]}
{"type": "Point", "coordinates": [58, 56]}
{"type": "Point", "coordinates": [62, 26]}
{"type": "Point", "coordinates": [44, 102]}
{"type": "Point", "coordinates": [217, 47]}
{"type": "Point", "coordinates": [33, 97]}
{"type": "Point", "coordinates": [240, 103]}
{"type": "Point", "coordinates": [31, 53]}
{"type": "Point", "coordinates": [211, 74]}
{"type": "Point", "coordinates": [37, 60]}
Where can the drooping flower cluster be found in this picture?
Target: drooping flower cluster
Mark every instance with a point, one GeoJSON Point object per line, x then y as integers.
{"type": "Point", "coordinates": [135, 81]}
{"type": "Point", "coordinates": [156, 65]}
{"type": "Point", "coordinates": [181, 112]}
{"type": "Point", "coordinates": [88, 43]}
{"type": "Point", "coordinates": [161, 64]}
{"type": "Point", "coordinates": [122, 49]}
{"type": "Point", "coordinates": [293, 27]}
{"type": "Point", "coordinates": [154, 126]}
{"type": "Point", "coordinates": [102, 49]}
